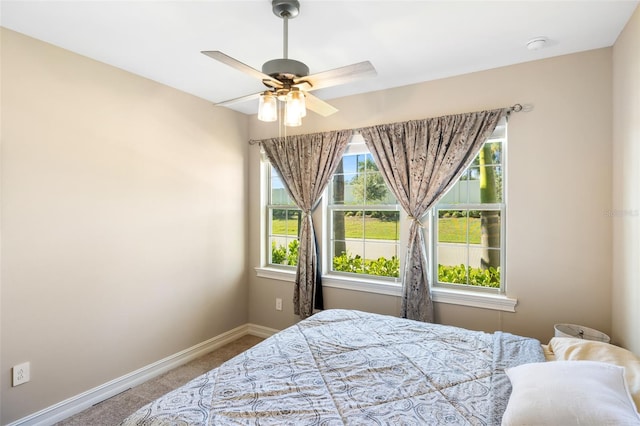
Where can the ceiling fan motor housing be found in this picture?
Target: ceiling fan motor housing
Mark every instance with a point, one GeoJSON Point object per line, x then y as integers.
{"type": "Point", "coordinates": [285, 68]}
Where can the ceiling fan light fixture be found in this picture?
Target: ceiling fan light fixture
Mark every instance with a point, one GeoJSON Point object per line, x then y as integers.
{"type": "Point", "coordinates": [268, 107]}
{"type": "Point", "coordinates": [295, 101]}
{"type": "Point", "coordinates": [288, 81]}
{"type": "Point", "coordinates": [292, 114]}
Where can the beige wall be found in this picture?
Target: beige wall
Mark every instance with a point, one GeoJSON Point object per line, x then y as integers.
{"type": "Point", "coordinates": [559, 190]}
{"type": "Point", "coordinates": [626, 185]}
{"type": "Point", "coordinates": [123, 222]}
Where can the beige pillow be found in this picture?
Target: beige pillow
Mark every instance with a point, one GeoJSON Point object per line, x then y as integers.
{"type": "Point", "coordinates": [585, 393]}
{"type": "Point", "coordinates": [571, 349]}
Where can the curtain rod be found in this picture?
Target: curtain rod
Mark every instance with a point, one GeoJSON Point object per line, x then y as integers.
{"type": "Point", "coordinates": [512, 108]}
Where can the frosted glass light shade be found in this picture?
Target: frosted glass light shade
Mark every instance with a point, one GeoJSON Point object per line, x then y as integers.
{"type": "Point", "coordinates": [296, 101]}
{"type": "Point", "coordinates": [291, 117]}
{"type": "Point", "coordinates": [294, 109]}
{"type": "Point", "coordinates": [268, 107]}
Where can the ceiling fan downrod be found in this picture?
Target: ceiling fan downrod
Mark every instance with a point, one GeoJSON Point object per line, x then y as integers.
{"type": "Point", "coordinates": [285, 68]}
{"type": "Point", "coordinates": [285, 9]}
{"type": "Point", "coordinates": [285, 36]}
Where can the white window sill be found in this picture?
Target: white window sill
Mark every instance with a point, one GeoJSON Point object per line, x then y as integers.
{"type": "Point", "coordinates": [498, 302]}
{"type": "Point", "coordinates": [276, 273]}
{"type": "Point", "coordinates": [440, 295]}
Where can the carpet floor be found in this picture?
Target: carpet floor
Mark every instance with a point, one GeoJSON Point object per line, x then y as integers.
{"type": "Point", "coordinates": [114, 410]}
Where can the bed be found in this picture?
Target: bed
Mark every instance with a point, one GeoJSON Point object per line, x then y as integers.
{"type": "Point", "coordinates": [344, 367]}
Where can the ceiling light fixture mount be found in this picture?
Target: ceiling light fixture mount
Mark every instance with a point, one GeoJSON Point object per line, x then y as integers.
{"type": "Point", "coordinates": [288, 8]}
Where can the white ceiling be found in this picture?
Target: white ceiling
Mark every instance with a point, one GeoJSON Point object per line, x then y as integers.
{"type": "Point", "coordinates": [407, 41]}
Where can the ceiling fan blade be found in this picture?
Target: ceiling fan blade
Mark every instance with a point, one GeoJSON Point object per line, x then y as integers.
{"type": "Point", "coordinates": [319, 106]}
{"type": "Point", "coordinates": [337, 76]}
{"type": "Point", "coordinates": [240, 99]}
{"type": "Point", "coordinates": [240, 66]}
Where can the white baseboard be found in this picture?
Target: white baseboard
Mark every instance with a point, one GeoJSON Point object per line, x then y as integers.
{"type": "Point", "coordinates": [260, 331]}
{"type": "Point", "coordinates": [78, 403]}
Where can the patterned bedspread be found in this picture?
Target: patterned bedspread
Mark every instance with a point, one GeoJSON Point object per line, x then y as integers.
{"type": "Point", "coordinates": [342, 367]}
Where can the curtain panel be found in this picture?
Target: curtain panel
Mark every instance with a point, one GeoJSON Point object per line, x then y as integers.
{"type": "Point", "coordinates": [305, 164]}
{"type": "Point", "coordinates": [420, 160]}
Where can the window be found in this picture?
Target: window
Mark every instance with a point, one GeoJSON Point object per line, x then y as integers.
{"type": "Point", "coordinates": [361, 230]}
{"type": "Point", "coordinates": [363, 217]}
{"type": "Point", "coordinates": [284, 223]}
{"type": "Point", "coordinates": [468, 223]}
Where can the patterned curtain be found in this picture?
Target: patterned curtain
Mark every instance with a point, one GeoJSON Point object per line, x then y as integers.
{"type": "Point", "coordinates": [420, 160]}
{"type": "Point", "coordinates": [305, 164]}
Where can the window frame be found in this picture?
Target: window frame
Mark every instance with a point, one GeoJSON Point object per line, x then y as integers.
{"type": "Point", "coordinates": [486, 298]}
{"type": "Point", "coordinates": [432, 215]}
{"type": "Point", "coordinates": [433, 249]}
{"type": "Point", "coordinates": [356, 146]}
{"type": "Point", "coordinates": [267, 234]}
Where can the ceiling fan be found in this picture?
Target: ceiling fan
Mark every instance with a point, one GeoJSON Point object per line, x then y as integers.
{"type": "Point", "coordinates": [288, 81]}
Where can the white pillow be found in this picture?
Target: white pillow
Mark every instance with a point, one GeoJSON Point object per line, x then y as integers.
{"type": "Point", "coordinates": [571, 349]}
{"type": "Point", "coordinates": [569, 393]}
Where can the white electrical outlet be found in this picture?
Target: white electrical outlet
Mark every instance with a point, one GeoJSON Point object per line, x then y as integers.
{"type": "Point", "coordinates": [21, 374]}
{"type": "Point", "coordinates": [278, 304]}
